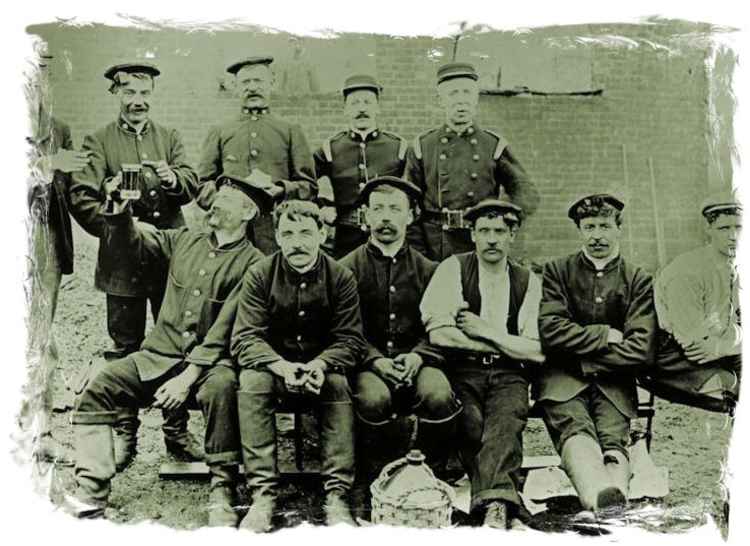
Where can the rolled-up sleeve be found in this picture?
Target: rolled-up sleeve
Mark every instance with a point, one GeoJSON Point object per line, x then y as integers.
{"type": "Point", "coordinates": [443, 297]}
{"type": "Point", "coordinates": [528, 314]}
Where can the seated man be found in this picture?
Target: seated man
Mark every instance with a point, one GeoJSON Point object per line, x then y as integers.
{"type": "Point", "coordinates": [596, 323]}
{"type": "Point", "coordinates": [205, 267]}
{"type": "Point", "coordinates": [482, 309]}
{"type": "Point", "coordinates": [697, 304]}
{"type": "Point", "coordinates": [401, 372]}
{"type": "Point", "coordinates": [298, 330]}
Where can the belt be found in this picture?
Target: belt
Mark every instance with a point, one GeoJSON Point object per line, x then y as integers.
{"type": "Point", "coordinates": [451, 219]}
{"type": "Point", "coordinates": [492, 360]}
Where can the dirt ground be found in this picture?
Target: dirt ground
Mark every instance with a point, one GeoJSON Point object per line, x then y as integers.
{"type": "Point", "coordinates": [691, 443]}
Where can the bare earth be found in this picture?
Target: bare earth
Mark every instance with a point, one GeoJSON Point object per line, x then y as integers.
{"type": "Point", "coordinates": [691, 443]}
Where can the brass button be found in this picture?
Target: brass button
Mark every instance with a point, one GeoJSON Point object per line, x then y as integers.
{"type": "Point", "coordinates": [196, 292]}
{"type": "Point", "coordinates": [202, 272]}
{"type": "Point", "coordinates": [188, 313]}
{"type": "Point", "coordinates": [157, 214]}
{"type": "Point", "coordinates": [124, 125]}
{"type": "Point", "coordinates": [473, 141]}
{"type": "Point", "coordinates": [392, 316]}
{"type": "Point", "coordinates": [599, 274]}
{"type": "Point", "coordinates": [253, 134]}
{"type": "Point", "coordinates": [473, 176]}
{"type": "Point", "coordinates": [361, 166]}
{"type": "Point", "coordinates": [470, 130]}
{"type": "Point", "coordinates": [299, 338]}
{"type": "Point", "coordinates": [212, 254]}
{"type": "Point", "coordinates": [444, 140]}
{"type": "Point", "coordinates": [152, 193]}
{"type": "Point", "coordinates": [470, 194]}
{"type": "Point", "coordinates": [254, 153]}
{"type": "Point", "coordinates": [303, 285]}
{"type": "Point", "coordinates": [186, 334]}
{"type": "Point", "coordinates": [145, 156]}
{"type": "Point", "coordinates": [443, 156]}
{"type": "Point", "coordinates": [392, 289]}
{"type": "Point", "coordinates": [301, 313]}
{"type": "Point", "coordinates": [598, 299]}
{"type": "Point", "coordinates": [475, 157]}
{"type": "Point", "coordinates": [374, 134]}
{"type": "Point", "coordinates": [254, 118]}
{"type": "Point", "coordinates": [389, 345]}
{"type": "Point", "coordinates": [362, 145]}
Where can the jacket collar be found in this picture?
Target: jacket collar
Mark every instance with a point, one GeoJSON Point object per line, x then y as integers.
{"type": "Point", "coordinates": [468, 132]}
{"type": "Point", "coordinates": [613, 263]}
{"type": "Point", "coordinates": [254, 113]}
{"type": "Point", "coordinates": [309, 275]}
{"type": "Point", "coordinates": [125, 126]}
{"type": "Point", "coordinates": [374, 251]}
{"type": "Point", "coordinates": [356, 136]}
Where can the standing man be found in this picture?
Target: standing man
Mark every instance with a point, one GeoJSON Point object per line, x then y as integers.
{"type": "Point", "coordinates": [459, 164]}
{"type": "Point", "coordinates": [698, 307]}
{"type": "Point", "coordinates": [351, 158]}
{"type": "Point", "coordinates": [298, 331]}
{"type": "Point", "coordinates": [401, 373]}
{"type": "Point", "coordinates": [597, 326]}
{"type": "Point", "coordinates": [481, 308]}
{"type": "Point", "coordinates": [270, 152]}
{"type": "Point", "coordinates": [166, 182]}
{"type": "Point", "coordinates": [172, 367]}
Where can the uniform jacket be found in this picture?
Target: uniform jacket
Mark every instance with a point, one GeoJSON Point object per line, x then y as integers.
{"type": "Point", "coordinates": [458, 171]}
{"type": "Point", "coordinates": [112, 146]}
{"type": "Point", "coordinates": [390, 290]}
{"type": "Point", "coordinates": [285, 315]}
{"type": "Point", "coordinates": [263, 141]}
{"type": "Point", "coordinates": [578, 306]}
{"type": "Point", "coordinates": [201, 295]}
{"type": "Point", "coordinates": [350, 162]}
{"type": "Point", "coordinates": [49, 201]}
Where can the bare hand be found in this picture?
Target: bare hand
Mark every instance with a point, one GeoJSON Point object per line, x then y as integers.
{"type": "Point", "coordinates": [410, 364]}
{"type": "Point", "coordinates": [700, 352]}
{"type": "Point", "coordinates": [145, 226]}
{"type": "Point", "coordinates": [172, 394]}
{"type": "Point", "coordinates": [292, 373]}
{"type": "Point", "coordinates": [260, 179]}
{"type": "Point", "coordinates": [387, 370]}
{"type": "Point", "coordinates": [614, 336]}
{"type": "Point", "coordinates": [69, 161]}
{"type": "Point", "coordinates": [473, 326]}
{"type": "Point", "coordinates": [325, 189]}
{"type": "Point", "coordinates": [166, 174]}
{"type": "Point", "coordinates": [316, 376]}
{"type": "Point", "coordinates": [328, 214]}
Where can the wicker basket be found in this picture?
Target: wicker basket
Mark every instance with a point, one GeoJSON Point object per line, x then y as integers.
{"type": "Point", "coordinates": [428, 505]}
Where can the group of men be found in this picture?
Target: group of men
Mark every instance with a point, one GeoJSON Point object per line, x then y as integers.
{"type": "Point", "coordinates": [369, 280]}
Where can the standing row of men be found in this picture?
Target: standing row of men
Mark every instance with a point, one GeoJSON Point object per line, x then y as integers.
{"type": "Point", "coordinates": [384, 331]}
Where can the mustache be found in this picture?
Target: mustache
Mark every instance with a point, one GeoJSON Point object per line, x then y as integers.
{"type": "Point", "coordinates": [363, 115]}
{"type": "Point", "coordinates": [144, 108]}
{"type": "Point", "coordinates": [385, 228]}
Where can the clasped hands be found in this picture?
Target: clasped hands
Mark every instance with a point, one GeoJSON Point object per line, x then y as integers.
{"type": "Point", "coordinates": [301, 378]}
{"type": "Point", "coordinates": [399, 371]}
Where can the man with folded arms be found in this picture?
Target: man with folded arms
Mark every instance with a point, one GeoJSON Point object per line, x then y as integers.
{"type": "Point", "coordinates": [298, 331]}
{"type": "Point", "coordinates": [597, 326]}
{"type": "Point", "coordinates": [698, 307]}
{"type": "Point", "coordinates": [481, 308]}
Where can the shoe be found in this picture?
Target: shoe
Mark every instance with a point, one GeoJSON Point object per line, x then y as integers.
{"type": "Point", "coordinates": [221, 512]}
{"type": "Point", "coordinates": [337, 509]}
{"type": "Point", "coordinates": [258, 518]}
{"type": "Point", "coordinates": [184, 447]}
{"type": "Point", "coordinates": [611, 499]}
{"type": "Point", "coordinates": [82, 509]}
{"type": "Point", "coordinates": [496, 516]}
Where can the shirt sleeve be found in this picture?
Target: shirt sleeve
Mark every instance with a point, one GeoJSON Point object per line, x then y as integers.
{"type": "Point", "coordinates": [187, 179]}
{"type": "Point", "coordinates": [528, 315]}
{"type": "Point", "coordinates": [443, 297]}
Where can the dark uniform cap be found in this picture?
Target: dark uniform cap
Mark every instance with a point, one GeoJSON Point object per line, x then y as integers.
{"type": "Point", "coordinates": [259, 196]}
{"type": "Point", "coordinates": [586, 200]}
{"type": "Point", "coordinates": [456, 70]}
{"type": "Point", "coordinates": [725, 200]}
{"type": "Point", "coordinates": [131, 68]}
{"type": "Point", "coordinates": [236, 67]}
{"type": "Point", "coordinates": [411, 190]}
{"type": "Point", "coordinates": [508, 210]}
{"type": "Point", "coordinates": [361, 81]}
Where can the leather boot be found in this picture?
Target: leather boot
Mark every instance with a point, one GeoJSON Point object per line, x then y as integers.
{"type": "Point", "coordinates": [93, 446]}
{"type": "Point", "coordinates": [258, 437]}
{"type": "Point", "coordinates": [222, 499]}
{"type": "Point", "coordinates": [337, 445]}
{"type": "Point", "coordinates": [374, 449]}
{"type": "Point", "coordinates": [337, 509]}
{"type": "Point", "coordinates": [180, 443]}
{"type": "Point", "coordinates": [583, 461]}
{"type": "Point", "coordinates": [126, 437]}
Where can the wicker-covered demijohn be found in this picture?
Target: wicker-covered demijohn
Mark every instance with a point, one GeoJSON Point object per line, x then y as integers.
{"type": "Point", "coordinates": [407, 493]}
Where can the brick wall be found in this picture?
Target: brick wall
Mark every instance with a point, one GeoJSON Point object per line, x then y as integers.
{"type": "Point", "coordinates": [655, 104]}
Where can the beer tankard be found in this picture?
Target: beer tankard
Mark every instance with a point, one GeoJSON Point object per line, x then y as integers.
{"type": "Point", "coordinates": [130, 187]}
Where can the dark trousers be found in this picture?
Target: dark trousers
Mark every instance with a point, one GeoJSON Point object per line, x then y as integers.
{"type": "Point", "coordinates": [117, 385]}
{"type": "Point", "coordinates": [490, 430]}
{"type": "Point", "coordinates": [126, 319]}
{"type": "Point", "coordinates": [259, 395]}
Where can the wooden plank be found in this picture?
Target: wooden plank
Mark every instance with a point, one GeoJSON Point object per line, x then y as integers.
{"type": "Point", "coordinates": [178, 470]}
{"type": "Point", "coordinates": [540, 461]}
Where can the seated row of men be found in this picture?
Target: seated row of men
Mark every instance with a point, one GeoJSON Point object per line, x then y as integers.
{"type": "Point", "coordinates": [385, 331]}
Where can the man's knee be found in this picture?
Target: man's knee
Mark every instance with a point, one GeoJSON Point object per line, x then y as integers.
{"type": "Point", "coordinates": [256, 381]}
{"type": "Point", "coordinates": [373, 399]}
{"type": "Point", "coordinates": [435, 398]}
{"type": "Point", "coordinates": [336, 388]}
{"type": "Point", "coordinates": [220, 383]}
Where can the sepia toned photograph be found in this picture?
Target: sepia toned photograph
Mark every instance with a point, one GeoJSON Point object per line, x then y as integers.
{"type": "Point", "coordinates": [485, 279]}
